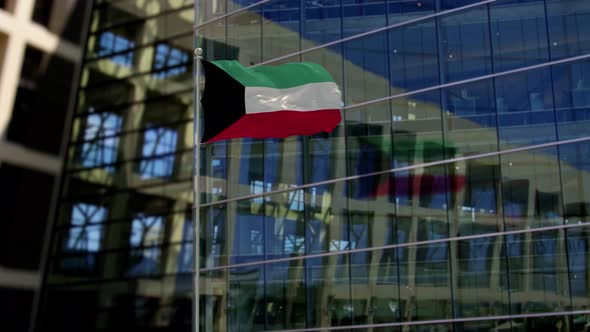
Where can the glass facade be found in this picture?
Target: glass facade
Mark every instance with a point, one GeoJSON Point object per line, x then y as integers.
{"type": "Point", "coordinates": [454, 195]}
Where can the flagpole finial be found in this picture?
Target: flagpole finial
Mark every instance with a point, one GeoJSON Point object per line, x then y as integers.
{"type": "Point", "coordinates": [198, 53]}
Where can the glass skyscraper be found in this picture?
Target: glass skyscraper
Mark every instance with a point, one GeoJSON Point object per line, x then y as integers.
{"type": "Point", "coordinates": [454, 195]}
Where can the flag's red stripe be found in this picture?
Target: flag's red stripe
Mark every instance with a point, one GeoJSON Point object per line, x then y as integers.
{"type": "Point", "coordinates": [281, 124]}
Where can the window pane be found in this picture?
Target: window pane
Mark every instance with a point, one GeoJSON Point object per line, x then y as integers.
{"type": "Point", "coordinates": [369, 146]}
{"type": "Point", "coordinates": [375, 275]}
{"type": "Point", "coordinates": [465, 49]}
{"type": "Point", "coordinates": [169, 61]}
{"type": "Point", "coordinates": [519, 34]}
{"type": "Point", "coordinates": [426, 293]}
{"type": "Point", "coordinates": [146, 234]}
{"type": "Point", "coordinates": [475, 196]}
{"type": "Point", "coordinates": [158, 146]}
{"type": "Point", "coordinates": [413, 57]}
{"type": "Point", "coordinates": [578, 255]}
{"type": "Point", "coordinates": [537, 272]}
{"type": "Point", "coordinates": [575, 164]}
{"type": "Point", "coordinates": [470, 119]}
{"type": "Point", "coordinates": [100, 145]}
{"type": "Point", "coordinates": [531, 189]}
{"type": "Point", "coordinates": [214, 41]}
{"type": "Point", "coordinates": [85, 234]}
{"type": "Point", "coordinates": [286, 306]}
{"type": "Point", "coordinates": [400, 11]}
{"type": "Point", "coordinates": [246, 307]}
{"type": "Point", "coordinates": [322, 23]}
{"type": "Point", "coordinates": [477, 290]}
{"type": "Point", "coordinates": [363, 15]}
{"type": "Point", "coordinates": [525, 109]}
{"type": "Point", "coordinates": [246, 155]}
{"type": "Point", "coordinates": [569, 24]}
{"type": "Point", "coordinates": [417, 129]}
{"type": "Point", "coordinates": [366, 72]}
{"type": "Point", "coordinates": [110, 43]}
{"type": "Point", "coordinates": [244, 31]}
{"type": "Point", "coordinates": [571, 84]}
{"type": "Point", "coordinates": [280, 28]}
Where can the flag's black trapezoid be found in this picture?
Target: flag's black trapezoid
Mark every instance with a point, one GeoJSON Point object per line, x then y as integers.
{"type": "Point", "coordinates": [222, 101]}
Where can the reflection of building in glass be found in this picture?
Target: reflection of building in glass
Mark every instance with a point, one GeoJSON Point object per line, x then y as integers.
{"type": "Point", "coordinates": [40, 53]}
{"type": "Point", "coordinates": [121, 247]}
{"type": "Point", "coordinates": [465, 235]}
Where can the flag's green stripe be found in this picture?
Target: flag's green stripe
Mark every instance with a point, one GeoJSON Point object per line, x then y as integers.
{"type": "Point", "coordinates": [280, 77]}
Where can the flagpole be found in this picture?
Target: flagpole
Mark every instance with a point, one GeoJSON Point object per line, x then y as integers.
{"type": "Point", "coordinates": [196, 190]}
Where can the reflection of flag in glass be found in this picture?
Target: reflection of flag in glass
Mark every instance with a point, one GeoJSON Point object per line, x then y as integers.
{"type": "Point", "coordinates": [376, 150]}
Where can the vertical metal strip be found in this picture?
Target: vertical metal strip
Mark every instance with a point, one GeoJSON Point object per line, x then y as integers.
{"type": "Point", "coordinates": [196, 170]}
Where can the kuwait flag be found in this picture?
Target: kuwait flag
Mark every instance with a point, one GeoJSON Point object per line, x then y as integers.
{"type": "Point", "coordinates": [268, 101]}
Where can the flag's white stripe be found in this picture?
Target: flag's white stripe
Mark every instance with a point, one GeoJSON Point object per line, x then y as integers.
{"type": "Point", "coordinates": [307, 97]}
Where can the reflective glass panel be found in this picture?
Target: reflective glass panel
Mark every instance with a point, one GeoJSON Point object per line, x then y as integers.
{"type": "Point", "coordinates": [568, 25]}
{"type": "Point", "coordinates": [518, 34]}
{"type": "Point", "coordinates": [531, 189]}
{"type": "Point", "coordinates": [526, 114]}
{"type": "Point", "coordinates": [465, 45]}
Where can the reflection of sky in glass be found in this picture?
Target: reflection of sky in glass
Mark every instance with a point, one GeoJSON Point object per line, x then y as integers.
{"type": "Point", "coordinates": [257, 187]}
{"type": "Point", "coordinates": [85, 233]}
{"type": "Point", "coordinates": [337, 245]}
{"type": "Point", "coordinates": [97, 150]}
{"type": "Point", "coordinates": [169, 57]}
{"type": "Point", "coordinates": [256, 242]}
{"type": "Point", "coordinates": [296, 202]}
{"type": "Point", "coordinates": [147, 233]}
{"type": "Point", "coordinates": [294, 244]}
{"type": "Point", "coordinates": [158, 141]}
{"type": "Point", "coordinates": [146, 230]}
{"type": "Point", "coordinates": [111, 43]}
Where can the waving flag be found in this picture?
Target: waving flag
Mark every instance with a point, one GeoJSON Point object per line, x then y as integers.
{"type": "Point", "coordinates": [268, 101]}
